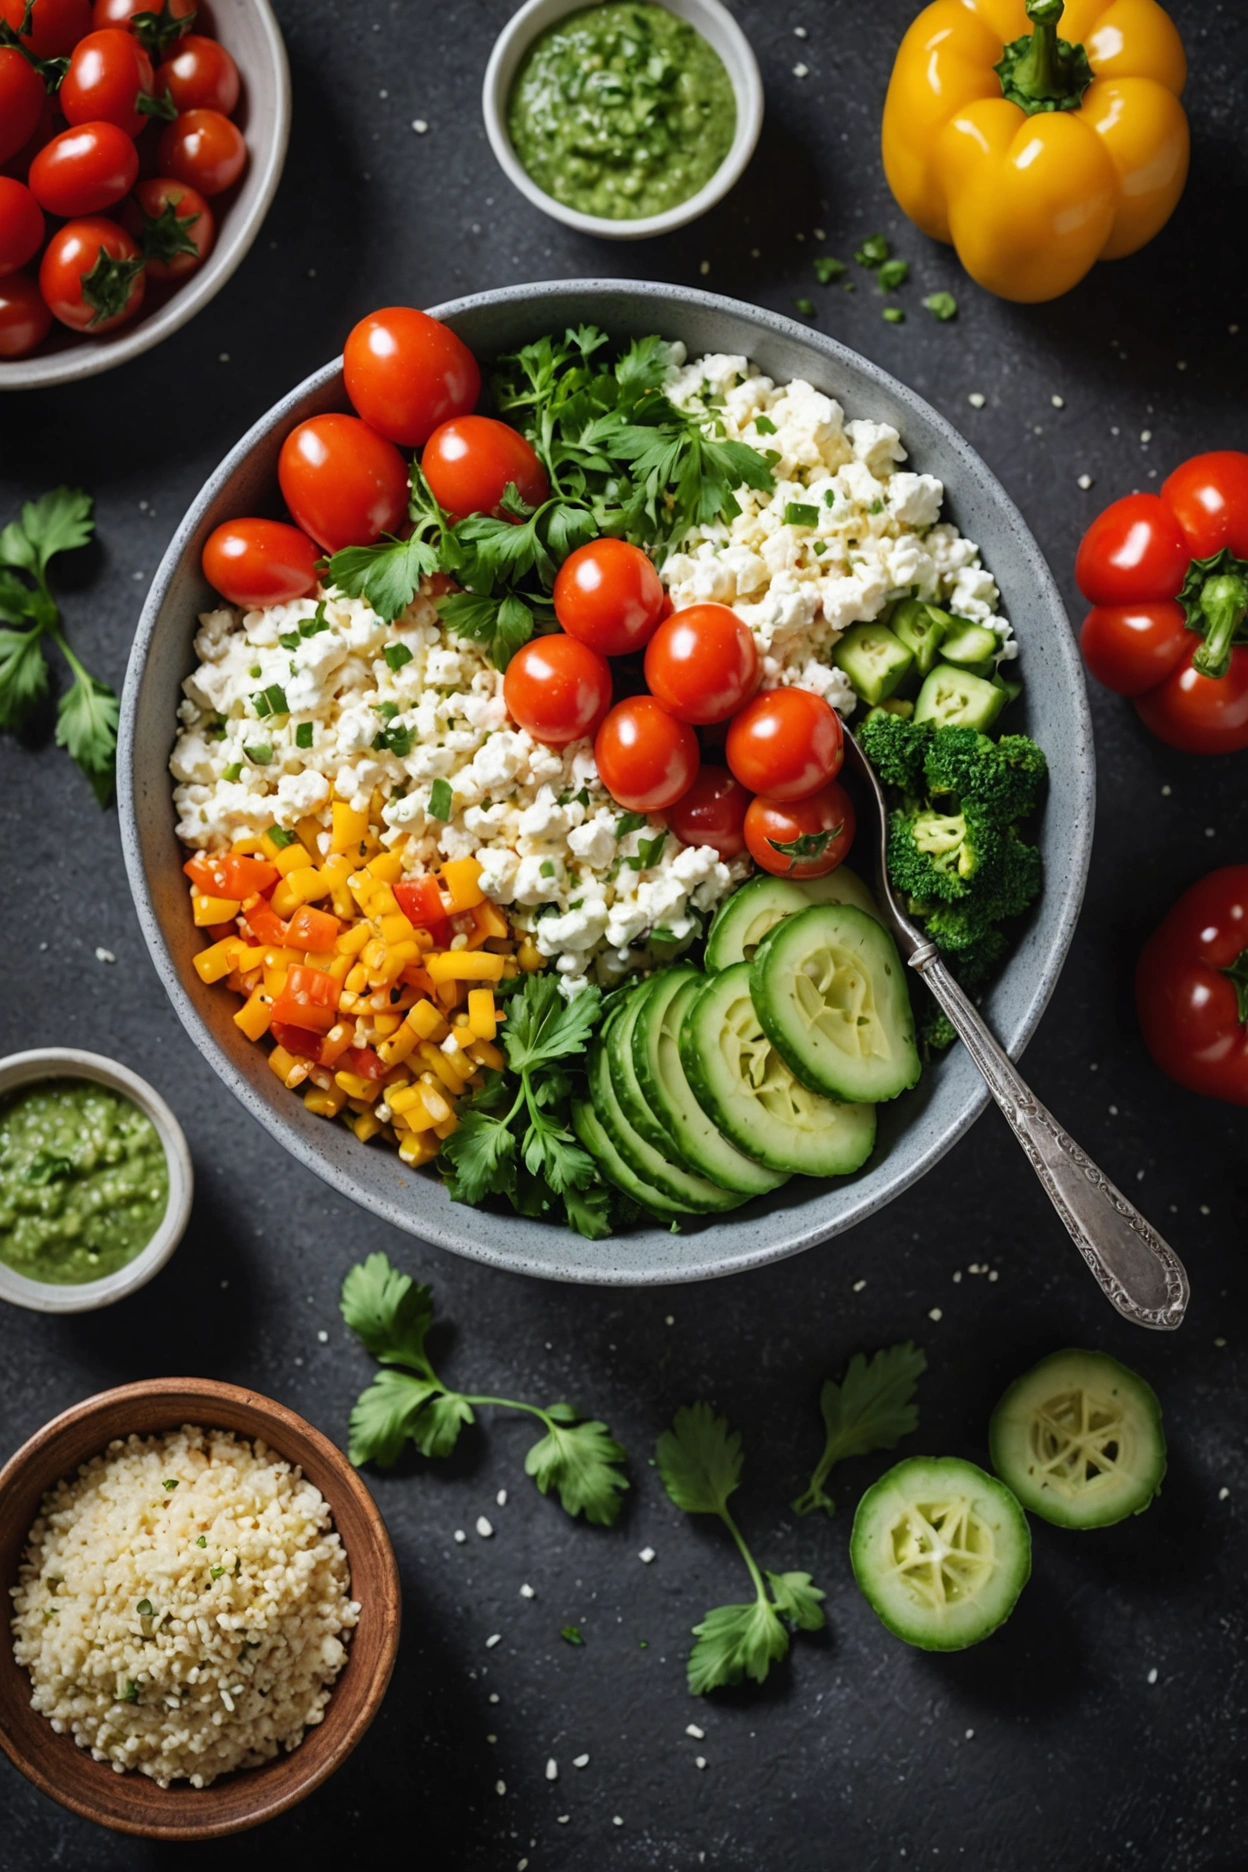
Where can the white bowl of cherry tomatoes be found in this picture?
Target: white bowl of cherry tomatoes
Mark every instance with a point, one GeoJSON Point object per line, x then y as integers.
{"type": "Point", "coordinates": [141, 144]}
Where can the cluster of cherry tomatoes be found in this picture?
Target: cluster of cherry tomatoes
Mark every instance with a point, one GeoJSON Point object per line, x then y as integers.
{"type": "Point", "coordinates": [772, 790]}
{"type": "Point", "coordinates": [79, 85]}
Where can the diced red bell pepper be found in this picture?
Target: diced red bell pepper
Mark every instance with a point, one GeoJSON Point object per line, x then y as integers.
{"type": "Point", "coordinates": [309, 999]}
{"type": "Point", "coordinates": [230, 874]}
{"type": "Point", "coordinates": [363, 1062]}
{"type": "Point", "coordinates": [265, 927]}
{"type": "Point", "coordinates": [298, 1040]}
{"type": "Point", "coordinates": [312, 930]}
{"type": "Point", "coordinates": [420, 900]}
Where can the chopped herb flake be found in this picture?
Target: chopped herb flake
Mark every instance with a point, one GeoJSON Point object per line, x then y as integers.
{"type": "Point", "coordinates": [829, 497]}
{"type": "Point", "coordinates": [873, 252]}
{"type": "Point", "coordinates": [233, 772]}
{"type": "Point", "coordinates": [215, 1572]}
{"type": "Point", "coordinates": [311, 626]}
{"type": "Point", "coordinates": [202, 1541]}
{"type": "Point", "coordinates": [571, 1634]}
{"type": "Point", "coordinates": [798, 513]}
{"type": "Point", "coordinates": [941, 305]}
{"type": "Point", "coordinates": [304, 734]}
{"type": "Point", "coordinates": [144, 1608]}
{"type": "Point", "coordinates": [892, 274]}
{"type": "Point", "coordinates": [396, 655]}
{"type": "Point", "coordinates": [131, 1692]}
{"type": "Point", "coordinates": [629, 822]}
{"type": "Point", "coordinates": [279, 836]}
{"type": "Point", "coordinates": [894, 315]}
{"type": "Point", "coordinates": [260, 753]}
{"type": "Point", "coordinates": [170, 1485]}
{"type": "Point", "coordinates": [806, 307]}
{"type": "Point", "coordinates": [828, 269]}
{"type": "Point", "coordinates": [289, 640]}
{"type": "Point", "coordinates": [764, 425]}
{"type": "Point", "coordinates": [440, 800]}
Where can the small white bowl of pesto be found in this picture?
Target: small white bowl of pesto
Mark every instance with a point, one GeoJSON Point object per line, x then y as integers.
{"type": "Point", "coordinates": [95, 1181]}
{"type": "Point", "coordinates": [623, 118]}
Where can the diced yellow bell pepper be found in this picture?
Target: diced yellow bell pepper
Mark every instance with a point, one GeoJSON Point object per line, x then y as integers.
{"type": "Point", "coordinates": [293, 857]}
{"type": "Point", "coordinates": [447, 1126]}
{"type": "Point", "coordinates": [326, 1104]}
{"type": "Point", "coordinates": [356, 1086]}
{"type": "Point", "coordinates": [427, 1021]}
{"type": "Point", "coordinates": [275, 978]}
{"type": "Point", "coordinates": [246, 959]}
{"type": "Point", "coordinates": [335, 1043]}
{"type": "Point", "coordinates": [214, 964]}
{"type": "Point", "coordinates": [482, 1013]}
{"type": "Point", "coordinates": [366, 1125]}
{"type": "Point", "coordinates": [437, 1107]}
{"type": "Point", "coordinates": [310, 832]}
{"type": "Point", "coordinates": [453, 965]}
{"type": "Point", "coordinates": [418, 1148]}
{"type": "Point", "coordinates": [383, 902]}
{"type": "Point", "coordinates": [461, 881]}
{"type": "Point", "coordinates": [353, 940]}
{"type": "Point", "coordinates": [349, 827]}
{"type": "Point", "coordinates": [487, 1055]}
{"type": "Point", "coordinates": [405, 1099]}
{"type": "Point", "coordinates": [490, 920]}
{"type": "Point", "coordinates": [291, 1070]}
{"type": "Point", "coordinates": [396, 1049]}
{"type": "Point", "coordinates": [208, 910]}
{"type": "Point", "coordinates": [386, 867]}
{"type": "Point", "coordinates": [387, 1024]}
{"type": "Point", "coordinates": [440, 1065]}
{"type": "Point", "coordinates": [396, 928]}
{"type": "Point", "coordinates": [253, 1016]}
{"type": "Point", "coordinates": [303, 886]}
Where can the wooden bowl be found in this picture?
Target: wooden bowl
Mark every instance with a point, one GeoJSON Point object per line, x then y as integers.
{"type": "Point", "coordinates": [132, 1802]}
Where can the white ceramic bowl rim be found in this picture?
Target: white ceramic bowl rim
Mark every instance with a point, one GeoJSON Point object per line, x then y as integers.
{"type": "Point", "coordinates": [770, 1228]}
{"type": "Point", "coordinates": [266, 156]}
{"type": "Point", "coordinates": [716, 25]}
{"type": "Point", "coordinates": [22, 1069]}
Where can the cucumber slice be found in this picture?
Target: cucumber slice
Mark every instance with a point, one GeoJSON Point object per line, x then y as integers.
{"type": "Point", "coordinates": [940, 1551]}
{"type": "Point", "coordinates": [698, 1143]}
{"type": "Point", "coordinates": [743, 919]}
{"type": "Point", "coordinates": [744, 1086]}
{"type": "Point", "coordinates": [610, 1060]}
{"type": "Point", "coordinates": [921, 628]}
{"type": "Point", "coordinates": [873, 658]}
{"type": "Point", "coordinates": [968, 643]}
{"type": "Point", "coordinates": [1079, 1439]}
{"type": "Point", "coordinates": [589, 1130]}
{"type": "Point", "coordinates": [830, 991]}
{"type": "Point", "coordinates": [638, 1107]}
{"type": "Point", "coordinates": [956, 698]}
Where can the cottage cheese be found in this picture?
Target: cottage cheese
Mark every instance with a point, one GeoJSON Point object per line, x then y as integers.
{"type": "Point", "coordinates": [597, 897]}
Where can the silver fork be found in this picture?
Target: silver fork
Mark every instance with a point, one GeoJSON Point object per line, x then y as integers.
{"type": "Point", "coordinates": [1138, 1272]}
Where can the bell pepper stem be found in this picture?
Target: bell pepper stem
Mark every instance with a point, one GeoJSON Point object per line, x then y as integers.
{"type": "Point", "coordinates": [1238, 974]}
{"type": "Point", "coordinates": [1224, 603]}
{"type": "Point", "coordinates": [1039, 72]}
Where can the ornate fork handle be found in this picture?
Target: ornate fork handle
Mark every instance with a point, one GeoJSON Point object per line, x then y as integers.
{"type": "Point", "coordinates": [1140, 1273]}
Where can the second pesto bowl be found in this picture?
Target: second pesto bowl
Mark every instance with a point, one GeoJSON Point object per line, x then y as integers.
{"type": "Point", "coordinates": [720, 30]}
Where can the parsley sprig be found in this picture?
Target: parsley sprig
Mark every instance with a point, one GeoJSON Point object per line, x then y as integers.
{"type": "Point", "coordinates": [408, 1402]}
{"type": "Point", "coordinates": [514, 1137]}
{"type": "Point", "coordinates": [86, 715]}
{"type": "Point", "coordinates": [700, 1462]}
{"type": "Point", "coordinates": [621, 459]}
{"type": "Point", "coordinates": [871, 1409]}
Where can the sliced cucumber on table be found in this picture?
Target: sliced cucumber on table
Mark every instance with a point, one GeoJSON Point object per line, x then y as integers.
{"type": "Point", "coordinates": [746, 1088]}
{"type": "Point", "coordinates": [680, 1189]}
{"type": "Point", "coordinates": [831, 995]}
{"type": "Point", "coordinates": [940, 1551]}
{"type": "Point", "coordinates": [743, 919]}
{"type": "Point", "coordinates": [665, 1091]}
{"type": "Point", "coordinates": [1079, 1439]}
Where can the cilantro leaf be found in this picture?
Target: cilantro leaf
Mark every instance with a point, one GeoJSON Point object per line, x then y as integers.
{"type": "Point", "coordinates": [384, 1416]}
{"type": "Point", "coordinates": [542, 1026]}
{"type": "Point", "coordinates": [870, 1409]}
{"type": "Point", "coordinates": [23, 675]}
{"type": "Point", "coordinates": [436, 1431]}
{"type": "Point", "coordinates": [17, 600]}
{"type": "Point", "coordinates": [482, 1154]}
{"type": "Point", "coordinates": [798, 1600]}
{"type": "Point", "coordinates": [389, 1310]}
{"type": "Point", "coordinates": [57, 522]}
{"type": "Point", "coordinates": [86, 727]}
{"type": "Point", "coordinates": [735, 1641]}
{"type": "Point", "coordinates": [387, 576]}
{"type": "Point", "coordinates": [700, 1460]}
{"type": "Point", "coordinates": [579, 1461]}
{"type": "Point", "coordinates": [589, 1210]}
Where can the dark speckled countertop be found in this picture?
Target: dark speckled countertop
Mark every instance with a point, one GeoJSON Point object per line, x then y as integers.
{"type": "Point", "coordinates": [1099, 1728]}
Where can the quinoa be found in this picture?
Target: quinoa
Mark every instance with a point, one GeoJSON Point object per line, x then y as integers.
{"type": "Point", "coordinates": [182, 1604]}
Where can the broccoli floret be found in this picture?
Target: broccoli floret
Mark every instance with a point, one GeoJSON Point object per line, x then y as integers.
{"type": "Point", "coordinates": [896, 748]}
{"type": "Point", "coordinates": [942, 855]}
{"type": "Point", "coordinates": [1005, 776]}
{"type": "Point", "coordinates": [968, 939]}
{"type": "Point", "coordinates": [936, 1031]}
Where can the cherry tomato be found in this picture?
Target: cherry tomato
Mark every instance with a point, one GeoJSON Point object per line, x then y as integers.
{"type": "Point", "coordinates": [92, 275]}
{"type": "Point", "coordinates": [56, 26]}
{"type": "Point", "coordinates": [85, 169]}
{"type": "Point", "coordinates": [21, 225]}
{"type": "Point", "coordinates": [712, 813]}
{"type": "Point", "coordinates": [786, 744]}
{"type": "Point", "coordinates": [647, 759]}
{"type": "Point", "coordinates": [1200, 714]}
{"type": "Point", "coordinates": [702, 664]}
{"type": "Point", "coordinates": [609, 595]}
{"type": "Point", "coordinates": [199, 75]}
{"type": "Point", "coordinates": [1133, 647]}
{"type": "Point", "coordinates": [1208, 496]}
{"type": "Point", "coordinates": [173, 224]}
{"type": "Point", "coordinates": [164, 20]}
{"type": "Point", "coordinates": [344, 484]}
{"type": "Point", "coordinates": [107, 72]}
{"type": "Point", "coordinates": [469, 462]}
{"type": "Point", "coordinates": [21, 101]}
{"type": "Point", "coordinates": [1188, 987]}
{"type": "Point", "coordinates": [801, 838]}
{"type": "Point", "coordinates": [204, 149]}
{"type": "Point", "coordinates": [260, 562]}
{"type": "Point", "coordinates": [406, 373]}
{"type": "Point", "coordinates": [24, 317]}
{"type": "Point", "coordinates": [557, 688]}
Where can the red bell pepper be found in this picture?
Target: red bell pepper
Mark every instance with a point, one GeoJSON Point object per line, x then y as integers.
{"type": "Point", "coordinates": [313, 931]}
{"type": "Point", "coordinates": [364, 1063]}
{"type": "Point", "coordinates": [298, 1040]}
{"type": "Point", "coordinates": [309, 998]}
{"type": "Point", "coordinates": [265, 928]}
{"type": "Point", "coordinates": [1191, 988]}
{"type": "Point", "coordinates": [420, 900]}
{"type": "Point", "coordinates": [1168, 576]}
{"type": "Point", "coordinates": [230, 874]}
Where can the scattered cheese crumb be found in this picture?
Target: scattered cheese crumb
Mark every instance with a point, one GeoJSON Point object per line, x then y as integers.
{"type": "Point", "coordinates": [501, 1498]}
{"type": "Point", "coordinates": [419, 125]}
{"type": "Point", "coordinates": [935, 1314]}
{"type": "Point", "coordinates": [105, 955]}
{"type": "Point", "coordinates": [552, 1769]}
{"type": "Point", "coordinates": [493, 1696]}
{"type": "Point", "coordinates": [646, 1555]}
{"type": "Point", "coordinates": [704, 266]}
{"type": "Point", "coordinates": [493, 1639]}
{"type": "Point", "coordinates": [801, 71]}
{"type": "Point", "coordinates": [1223, 1493]}
{"type": "Point", "coordinates": [500, 1787]}
{"type": "Point", "coordinates": [970, 1734]}
{"type": "Point", "coordinates": [1146, 435]}
{"type": "Point", "coordinates": [1152, 1675]}
{"type": "Point", "coordinates": [699, 1761]}
{"type": "Point", "coordinates": [323, 1336]}
{"type": "Point", "coordinates": [580, 1761]}
{"type": "Point", "coordinates": [977, 399]}
{"type": "Point", "coordinates": [562, 1819]}
{"type": "Point", "coordinates": [1219, 1342]}
{"type": "Point", "coordinates": [799, 32]}
{"type": "Point", "coordinates": [691, 1729]}
{"type": "Point", "coordinates": [669, 1319]}
{"type": "Point", "coordinates": [616, 1820]}
{"type": "Point", "coordinates": [526, 1591]}
{"type": "Point", "coordinates": [1058, 402]}
{"type": "Point", "coordinates": [483, 1527]}
{"type": "Point", "coordinates": [460, 1536]}
{"type": "Point", "coordinates": [993, 1275]}
{"type": "Point", "coordinates": [859, 1285]}
{"type": "Point", "coordinates": [957, 1274]}
{"type": "Point", "coordinates": [1085, 482]}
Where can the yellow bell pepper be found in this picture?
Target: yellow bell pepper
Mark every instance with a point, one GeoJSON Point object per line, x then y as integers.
{"type": "Point", "coordinates": [1036, 155]}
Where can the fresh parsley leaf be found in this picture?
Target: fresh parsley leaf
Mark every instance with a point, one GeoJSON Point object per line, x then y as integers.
{"type": "Point", "coordinates": [589, 1210]}
{"type": "Point", "coordinates": [700, 1460]}
{"type": "Point", "coordinates": [389, 1310]}
{"type": "Point", "coordinates": [86, 727]}
{"type": "Point", "coordinates": [57, 522]}
{"type": "Point", "coordinates": [387, 576]}
{"type": "Point", "coordinates": [798, 1600]}
{"type": "Point", "coordinates": [579, 1461]}
{"type": "Point", "coordinates": [436, 1431]}
{"type": "Point", "coordinates": [440, 797]}
{"type": "Point", "coordinates": [385, 1416]}
{"type": "Point", "coordinates": [870, 1409]}
{"type": "Point", "coordinates": [23, 675]}
{"type": "Point", "coordinates": [735, 1641]}
{"type": "Point", "coordinates": [542, 1026]}
{"type": "Point", "coordinates": [482, 1155]}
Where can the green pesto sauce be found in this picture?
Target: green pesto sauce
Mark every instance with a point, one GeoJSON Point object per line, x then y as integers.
{"type": "Point", "coordinates": [621, 110]}
{"type": "Point", "coordinates": [83, 1181]}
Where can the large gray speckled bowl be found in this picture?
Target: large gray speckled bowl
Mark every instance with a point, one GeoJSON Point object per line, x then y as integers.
{"type": "Point", "coordinates": [917, 1129]}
